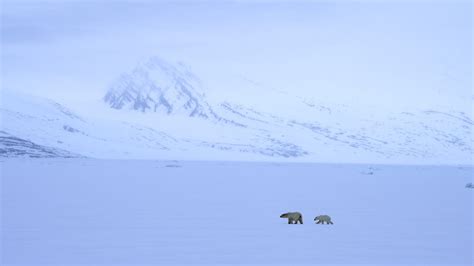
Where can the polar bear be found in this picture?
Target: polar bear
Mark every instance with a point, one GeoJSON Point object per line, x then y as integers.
{"type": "Point", "coordinates": [322, 219]}
{"type": "Point", "coordinates": [293, 217]}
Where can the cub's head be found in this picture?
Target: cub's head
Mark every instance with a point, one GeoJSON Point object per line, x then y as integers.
{"type": "Point", "coordinates": [317, 218]}
{"type": "Point", "coordinates": [285, 215]}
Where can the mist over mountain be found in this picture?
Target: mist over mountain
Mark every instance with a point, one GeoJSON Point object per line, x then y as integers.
{"type": "Point", "coordinates": [161, 110]}
{"type": "Point", "coordinates": [387, 55]}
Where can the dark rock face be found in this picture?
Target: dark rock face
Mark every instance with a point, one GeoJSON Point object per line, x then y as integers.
{"type": "Point", "coordinates": [13, 147]}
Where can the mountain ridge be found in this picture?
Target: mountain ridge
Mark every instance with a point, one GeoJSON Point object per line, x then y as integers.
{"type": "Point", "coordinates": [158, 86]}
{"type": "Point", "coordinates": [232, 130]}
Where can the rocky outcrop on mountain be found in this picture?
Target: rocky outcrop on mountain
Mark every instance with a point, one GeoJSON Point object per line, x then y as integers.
{"type": "Point", "coordinates": [13, 147]}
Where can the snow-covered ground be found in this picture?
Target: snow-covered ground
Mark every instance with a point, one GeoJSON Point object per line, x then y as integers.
{"type": "Point", "coordinates": [83, 211]}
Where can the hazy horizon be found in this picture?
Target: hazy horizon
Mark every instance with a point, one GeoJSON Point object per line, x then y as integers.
{"type": "Point", "coordinates": [414, 54]}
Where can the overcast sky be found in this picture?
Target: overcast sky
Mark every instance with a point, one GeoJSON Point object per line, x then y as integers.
{"type": "Point", "coordinates": [415, 53]}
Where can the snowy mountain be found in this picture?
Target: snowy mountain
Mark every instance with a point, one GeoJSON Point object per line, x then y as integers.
{"type": "Point", "coordinates": [160, 111]}
{"type": "Point", "coordinates": [49, 123]}
{"type": "Point", "coordinates": [157, 86]}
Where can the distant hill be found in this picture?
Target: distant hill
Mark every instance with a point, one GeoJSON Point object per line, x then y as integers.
{"type": "Point", "coordinates": [160, 111]}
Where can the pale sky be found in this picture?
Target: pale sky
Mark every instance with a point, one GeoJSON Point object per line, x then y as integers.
{"type": "Point", "coordinates": [391, 54]}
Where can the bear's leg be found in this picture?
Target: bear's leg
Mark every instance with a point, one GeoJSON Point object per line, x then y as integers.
{"type": "Point", "coordinates": [319, 221]}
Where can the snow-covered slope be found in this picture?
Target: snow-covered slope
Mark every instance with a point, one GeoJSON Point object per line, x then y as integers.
{"type": "Point", "coordinates": [51, 124]}
{"type": "Point", "coordinates": [13, 147]}
{"type": "Point", "coordinates": [158, 86]}
{"type": "Point", "coordinates": [160, 111]}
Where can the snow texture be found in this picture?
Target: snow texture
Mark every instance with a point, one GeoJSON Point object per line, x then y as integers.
{"type": "Point", "coordinates": [99, 212]}
{"type": "Point", "coordinates": [160, 111]}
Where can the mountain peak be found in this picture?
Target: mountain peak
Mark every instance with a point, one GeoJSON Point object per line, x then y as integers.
{"type": "Point", "coordinates": [159, 86]}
